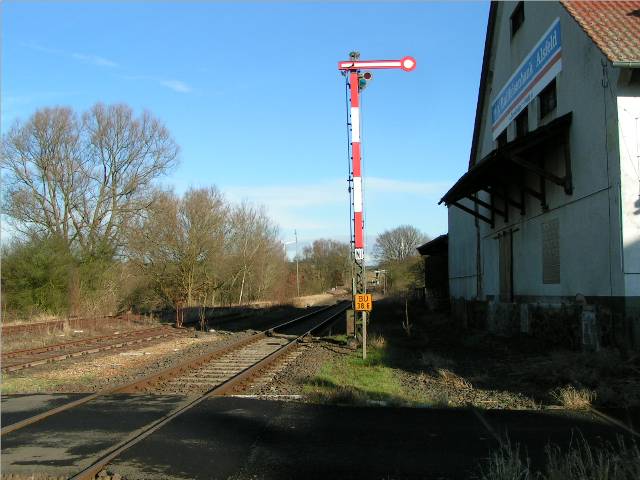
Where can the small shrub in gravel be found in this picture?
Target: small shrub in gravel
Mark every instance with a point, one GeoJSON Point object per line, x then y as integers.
{"type": "Point", "coordinates": [377, 341]}
{"type": "Point", "coordinates": [456, 381]}
{"type": "Point", "coordinates": [573, 398]}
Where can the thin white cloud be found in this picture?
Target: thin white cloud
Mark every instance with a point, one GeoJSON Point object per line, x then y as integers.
{"type": "Point", "coordinates": [176, 86]}
{"type": "Point", "coordinates": [388, 185]}
{"type": "Point", "coordinates": [17, 99]}
{"type": "Point", "coordinates": [18, 105]}
{"type": "Point", "coordinates": [313, 206]}
{"type": "Point", "coordinates": [94, 60]}
{"type": "Point", "coordinates": [82, 57]}
{"type": "Point", "coordinates": [40, 48]}
{"type": "Point", "coordinates": [292, 196]}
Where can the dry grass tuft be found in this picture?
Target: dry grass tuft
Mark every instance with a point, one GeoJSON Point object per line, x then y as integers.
{"type": "Point", "coordinates": [584, 462]}
{"type": "Point", "coordinates": [507, 464]}
{"type": "Point", "coordinates": [580, 462]}
{"type": "Point", "coordinates": [573, 398]}
{"type": "Point", "coordinates": [377, 341]}
{"type": "Point", "coordinates": [453, 380]}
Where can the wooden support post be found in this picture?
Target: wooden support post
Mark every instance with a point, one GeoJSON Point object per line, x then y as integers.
{"type": "Point", "coordinates": [568, 178]}
{"type": "Point", "coordinates": [543, 194]}
{"type": "Point", "coordinates": [493, 211]}
{"type": "Point", "coordinates": [522, 195]}
{"type": "Point", "coordinates": [364, 335]}
{"type": "Point", "coordinates": [506, 203]}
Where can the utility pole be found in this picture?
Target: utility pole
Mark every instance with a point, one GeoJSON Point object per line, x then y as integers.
{"type": "Point", "coordinates": [295, 232]}
{"type": "Point", "coordinates": [357, 81]}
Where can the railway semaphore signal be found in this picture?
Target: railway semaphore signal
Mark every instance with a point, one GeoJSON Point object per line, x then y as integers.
{"type": "Point", "coordinates": [356, 82]}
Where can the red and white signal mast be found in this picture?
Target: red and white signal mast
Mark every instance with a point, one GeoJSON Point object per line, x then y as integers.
{"type": "Point", "coordinates": [357, 81]}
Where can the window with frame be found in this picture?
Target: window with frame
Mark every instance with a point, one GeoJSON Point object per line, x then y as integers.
{"type": "Point", "coordinates": [548, 99]}
{"type": "Point", "coordinates": [517, 18]}
{"type": "Point", "coordinates": [522, 123]}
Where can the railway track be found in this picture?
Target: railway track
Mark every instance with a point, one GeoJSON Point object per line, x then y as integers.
{"type": "Point", "coordinates": [9, 330]}
{"type": "Point", "coordinates": [31, 357]}
{"type": "Point", "coordinates": [225, 370]}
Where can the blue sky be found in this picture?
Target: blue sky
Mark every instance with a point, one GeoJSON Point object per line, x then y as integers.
{"type": "Point", "coordinates": [252, 94]}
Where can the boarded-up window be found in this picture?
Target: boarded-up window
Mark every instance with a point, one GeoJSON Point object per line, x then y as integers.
{"type": "Point", "coordinates": [551, 251]}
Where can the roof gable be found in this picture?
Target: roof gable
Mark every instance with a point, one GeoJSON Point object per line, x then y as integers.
{"type": "Point", "coordinates": [613, 26]}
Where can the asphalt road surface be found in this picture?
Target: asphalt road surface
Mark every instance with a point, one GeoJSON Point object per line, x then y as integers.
{"type": "Point", "coordinates": [247, 438]}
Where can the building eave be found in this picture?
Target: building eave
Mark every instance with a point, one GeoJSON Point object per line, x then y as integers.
{"type": "Point", "coordinates": [491, 24]}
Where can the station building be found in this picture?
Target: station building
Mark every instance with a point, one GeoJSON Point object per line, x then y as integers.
{"type": "Point", "coordinates": [544, 227]}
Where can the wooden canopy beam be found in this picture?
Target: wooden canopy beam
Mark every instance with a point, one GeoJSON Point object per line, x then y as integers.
{"type": "Point", "coordinates": [505, 195]}
{"type": "Point", "coordinates": [486, 205]}
{"type": "Point", "coordinates": [473, 212]}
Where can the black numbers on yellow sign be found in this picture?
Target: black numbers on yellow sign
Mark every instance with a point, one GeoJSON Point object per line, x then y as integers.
{"type": "Point", "coordinates": [363, 302]}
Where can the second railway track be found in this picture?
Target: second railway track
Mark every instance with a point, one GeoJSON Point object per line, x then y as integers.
{"type": "Point", "coordinates": [219, 372]}
{"type": "Point", "coordinates": [223, 371]}
{"type": "Point", "coordinates": [31, 357]}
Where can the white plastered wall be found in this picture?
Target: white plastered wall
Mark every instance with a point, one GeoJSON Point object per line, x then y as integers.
{"type": "Point", "coordinates": [589, 219]}
{"type": "Point", "coordinates": [629, 125]}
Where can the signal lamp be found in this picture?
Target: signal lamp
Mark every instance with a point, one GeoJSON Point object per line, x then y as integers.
{"type": "Point", "coordinates": [363, 78]}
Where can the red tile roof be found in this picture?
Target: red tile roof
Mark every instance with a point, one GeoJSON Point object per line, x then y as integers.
{"type": "Point", "coordinates": [613, 26]}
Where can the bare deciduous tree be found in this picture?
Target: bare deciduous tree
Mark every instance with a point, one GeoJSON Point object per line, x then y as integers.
{"type": "Point", "coordinates": [398, 244]}
{"type": "Point", "coordinates": [325, 264]}
{"type": "Point", "coordinates": [83, 179]}
{"type": "Point", "coordinates": [252, 237]}
{"type": "Point", "coordinates": [179, 244]}
{"type": "Point", "coordinates": [196, 248]}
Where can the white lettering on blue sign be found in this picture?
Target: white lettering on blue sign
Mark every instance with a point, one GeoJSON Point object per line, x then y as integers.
{"type": "Point", "coordinates": [535, 72]}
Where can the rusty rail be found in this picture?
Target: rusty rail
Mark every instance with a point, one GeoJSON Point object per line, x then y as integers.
{"type": "Point", "coordinates": [140, 384]}
{"type": "Point", "coordinates": [81, 322]}
{"type": "Point", "coordinates": [93, 345]}
{"type": "Point", "coordinates": [228, 386]}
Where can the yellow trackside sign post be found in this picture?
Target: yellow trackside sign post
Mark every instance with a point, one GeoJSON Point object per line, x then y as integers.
{"type": "Point", "coordinates": [364, 302]}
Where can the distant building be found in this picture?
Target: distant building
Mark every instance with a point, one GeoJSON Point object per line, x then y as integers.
{"type": "Point", "coordinates": [544, 227]}
{"type": "Point", "coordinates": [436, 278]}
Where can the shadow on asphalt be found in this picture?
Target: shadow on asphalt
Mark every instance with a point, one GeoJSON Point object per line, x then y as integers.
{"type": "Point", "coordinates": [246, 438]}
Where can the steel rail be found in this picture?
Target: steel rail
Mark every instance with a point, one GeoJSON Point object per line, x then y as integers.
{"type": "Point", "coordinates": [257, 369]}
{"type": "Point", "coordinates": [137, 385]}
{"type": "Point", "coordinates": [89, 472]}
{"type": "Point", "coordinates": [95, 348]}
{"type": "Point", "coordinates": [61, 346]}
{"type": "Point", "coordinates": [10, 329]}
